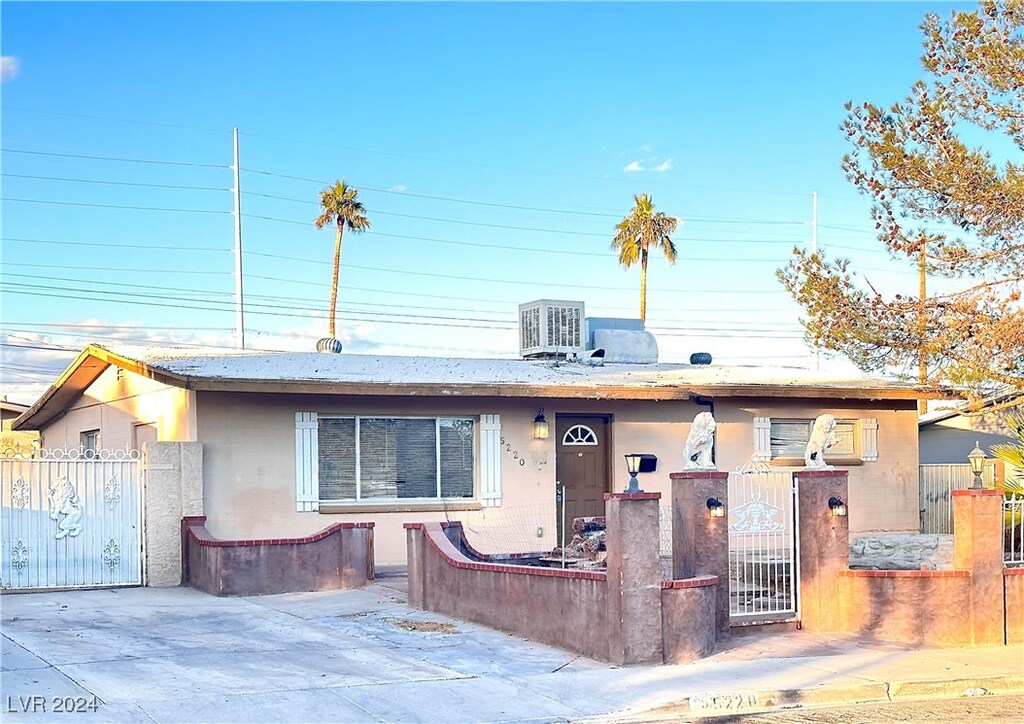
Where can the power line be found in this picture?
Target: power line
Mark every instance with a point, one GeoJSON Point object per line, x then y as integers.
{"type": "Point", "coordinates": [114, 246]}
{"type": "Point", "coordinates": [113, 183]}
{"type": "Point", "coordinates": [120, 159]}
{"type": "Point", "coordinates": [7, 109]}
{"type": "Point", "coordinates": [114, 269]}
{"type": "Point", "coordinates": [113, 206]}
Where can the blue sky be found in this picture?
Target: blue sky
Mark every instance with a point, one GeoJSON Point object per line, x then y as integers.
{"type": "Point", "coordinates": [496, 146]}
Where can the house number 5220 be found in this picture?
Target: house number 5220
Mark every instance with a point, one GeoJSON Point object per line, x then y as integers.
{"type": "Point", "coordinates": [515, 453]}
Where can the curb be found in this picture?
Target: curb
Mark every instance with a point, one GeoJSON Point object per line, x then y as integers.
{"type": "Point", "coordinates": [730, 703]}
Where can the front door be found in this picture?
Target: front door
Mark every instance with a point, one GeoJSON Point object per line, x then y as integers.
{"type": "Point", "coordinates": [581, 467]}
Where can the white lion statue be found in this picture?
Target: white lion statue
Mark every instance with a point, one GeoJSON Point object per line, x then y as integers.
{"type": "Point", "coordinates": [700, 442]}
{"type": "Point", "coordinates": [64, 501]}
{"type": "Point", "coordinates": [823, 436]}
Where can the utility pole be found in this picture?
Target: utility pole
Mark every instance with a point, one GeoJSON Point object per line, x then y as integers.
{"type": "Point", "coordinates": [814, 250]}
{"type": "Point", "coordinates": [922, 322]}
{"type": "Point", "coordinates": [239, 314]}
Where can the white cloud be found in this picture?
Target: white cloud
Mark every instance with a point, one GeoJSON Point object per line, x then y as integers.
{"type": "Point", "coordinates": [644, 148]}
{"type": "Point", "coordinates": [400, 188]}
{"type": "Point", "coordinates": [648, 164]}
{"type": "Point", "coordinates": [8, 67]}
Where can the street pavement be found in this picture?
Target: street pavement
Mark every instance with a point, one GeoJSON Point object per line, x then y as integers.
{"type": "Point", "coordinates": [178, 655]}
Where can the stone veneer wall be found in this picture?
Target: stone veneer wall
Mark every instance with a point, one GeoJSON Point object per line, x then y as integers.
{"type": "Point", "coordinates": [337, 557]}
{"type": "Point", "coordinates": [902, 551]}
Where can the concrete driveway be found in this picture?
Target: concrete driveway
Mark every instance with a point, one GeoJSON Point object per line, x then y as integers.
{"type": "Point", "coordinates": [177, 655]}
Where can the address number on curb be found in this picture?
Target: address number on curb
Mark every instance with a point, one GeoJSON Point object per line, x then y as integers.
{"type": "Point", "coordinates": [724, 702]}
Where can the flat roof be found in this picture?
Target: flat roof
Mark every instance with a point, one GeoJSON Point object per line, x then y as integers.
{"type": "Point", "coordinates": [356, 374]}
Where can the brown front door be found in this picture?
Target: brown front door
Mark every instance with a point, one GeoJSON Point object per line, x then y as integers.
{"type": "Point", "coordinates": [581, 467]}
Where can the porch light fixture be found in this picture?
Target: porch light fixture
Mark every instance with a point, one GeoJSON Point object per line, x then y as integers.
{"type": "Point", "coordinates": [837, 506]}
{"type": "Point", "coordinates": [540, 426]}
{"type": "Point", "coordinates": [633, 467]}
{"type": "Point", "coordinates": [716, 509]}
{"type": "Point", "coordinates": [977, 461]}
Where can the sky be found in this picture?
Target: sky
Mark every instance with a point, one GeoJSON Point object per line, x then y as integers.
{"type": "Point", "coordinates": [494, 145]}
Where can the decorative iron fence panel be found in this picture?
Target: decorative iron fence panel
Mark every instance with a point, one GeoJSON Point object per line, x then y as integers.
{"type": "Point", "coordinates": [1013, 530]}
{"type": "Point", "coordinates": [763, 570]}
{"type": "Point", "coordinates": [71, 518]}
{"type": "Point", "coordinates": [936, 483]}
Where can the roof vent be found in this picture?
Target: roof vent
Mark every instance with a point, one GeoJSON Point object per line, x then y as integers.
{"type": "Point", "coordinates": [328, 344]}
{"type": "Point", "coordinates": [700, 358]}
{"type": "Point", "coordinates": [550, 328]}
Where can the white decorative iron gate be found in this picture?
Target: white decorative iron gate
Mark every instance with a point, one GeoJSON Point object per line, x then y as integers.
{"type": "Point", "coordinates": [71, 518]}
{"type": "Point", "coordinates": [763, 566]}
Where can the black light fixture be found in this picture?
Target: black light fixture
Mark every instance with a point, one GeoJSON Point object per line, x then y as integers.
{"type": "Point", "coordinates": [977, 461]}
{"type": "Point", "coordinates": [633, 467]}
{"type": "Point", "coordinates": [716, 509]}
{"type": "Point", "coordinates": [837, 506]}
{"type": "Point", "coordinates": [540, 426]}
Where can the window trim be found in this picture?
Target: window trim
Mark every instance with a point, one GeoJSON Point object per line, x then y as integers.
{"type": "Point", "coordinates": [334, 505]}
{"type": "Point", "coordinates": [580, 443]}
{"type": "Point", "coordinates": [853, 458]}
{"type": "Point", "coordinates": [83, 438]}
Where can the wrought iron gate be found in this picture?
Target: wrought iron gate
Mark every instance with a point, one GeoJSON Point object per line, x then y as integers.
{"type": "Point", "coordinates": [71, 518]}
{"type": "Point", "coordinates": [763, 566]}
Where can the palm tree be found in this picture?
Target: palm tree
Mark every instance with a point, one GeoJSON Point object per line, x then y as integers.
{"type": "Point", "coordinates": [340, 205]}
{"type": "Point", "coordinates": [637, 233]}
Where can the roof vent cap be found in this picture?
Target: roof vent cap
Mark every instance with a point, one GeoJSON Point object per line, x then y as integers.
{"type": "Point", "coordinates": [700, 358]}
{"type": "Point", "coordinates": [329, 344]}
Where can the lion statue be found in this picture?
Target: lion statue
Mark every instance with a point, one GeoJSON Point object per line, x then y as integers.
{"type": "Point", "coordinates": [823, 436]}
{"type": "Point", "coordinates": [64, 501]}
{"type": "Point", "coordinates": [700, 442]}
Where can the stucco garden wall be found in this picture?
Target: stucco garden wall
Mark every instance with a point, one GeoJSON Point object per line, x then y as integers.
{"type": "Point", "coordinates": [115, 403]}
{"type": "Point", "coordinates": [249, 460]}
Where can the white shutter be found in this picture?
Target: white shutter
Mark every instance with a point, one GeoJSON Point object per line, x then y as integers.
{"type": "Point", "coordinates": [869, 440]}
{"type": "Point", "coordinates": [307, 478]}
{"type": "Point", "coordinates": [490, 460]}
{"type": "Point", "coordinates": [762, 439]}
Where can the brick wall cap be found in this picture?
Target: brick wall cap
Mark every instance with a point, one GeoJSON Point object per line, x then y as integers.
{"type": "Point", "coordinates": [699, 474]}
{"type": "Point", "coordinates": [1013, 571]}
{"type": "Point", "coordinates": [820, 473]}
{"type": "Point", "coordinates": [632, 496]}
{"type": "Point", "coordinates": [695, 582]}
{"type": "Point", "coordinates": [865, 573]}
{"type": "Point", "coordinates": [201, 536]}
{"type": "Point", "coordinates": [971, 493]}
{"type": "Point", "coordinates": [412, 526]}
{"type": "Point", "coordinates": [194, 519]}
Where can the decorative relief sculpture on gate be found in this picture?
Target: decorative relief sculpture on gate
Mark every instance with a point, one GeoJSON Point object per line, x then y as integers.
{"type": "Point", "coordinates": [757, 517]}
{"type": "Point", "coordinates": [64, 501]}
{"type": "Point", "coordinates": [112, 492]}
{"type": "Point", "coordinates": [20, 493]}
{"type": "Point", "coordinates": [700, 442]}
{"type": "Point", "coordinates": [823, 436]}
{"type": "Point", "coordinates": [19, 556]}
{"type": "Point", "coordinates": [112, 554]}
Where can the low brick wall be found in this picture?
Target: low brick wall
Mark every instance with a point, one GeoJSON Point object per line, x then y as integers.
{"type": "Point", "coordinates": [919, 607]}
{"type": "Point", "coordinates": [563, 608]}
{"type": "Point", "coordinates": [1013, 605]}
{"type": "Point", "coordinates": [688, 615]}
{"type": "Point", "coordinates": [337, 557]}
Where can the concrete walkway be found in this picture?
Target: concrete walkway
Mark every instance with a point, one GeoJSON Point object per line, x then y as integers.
{"type": "Point", "coordinates": [177, 655]}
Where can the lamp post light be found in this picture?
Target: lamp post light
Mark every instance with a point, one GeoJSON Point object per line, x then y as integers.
{"type": "Point", "coordinates": [977, 460]}
{"type": "Point", "coordinates": [633, 467]}
{"type": "Point", "coordinates": [716, 509]}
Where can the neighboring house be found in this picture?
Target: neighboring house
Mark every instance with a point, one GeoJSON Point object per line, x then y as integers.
{"type": "Point", "coordinates": [948, 434]}
{"type": "Point", "coordinates": [294, 442]}
{"type": "Point", "coordinates": [20, 442]}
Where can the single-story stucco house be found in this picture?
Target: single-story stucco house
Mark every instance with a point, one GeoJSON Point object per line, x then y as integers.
{"type": "Point", "coordinates": [295, 442]}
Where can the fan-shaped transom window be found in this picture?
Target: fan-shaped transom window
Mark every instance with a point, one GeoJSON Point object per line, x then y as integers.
{"type": "Point", "coordinates": [579, 435]}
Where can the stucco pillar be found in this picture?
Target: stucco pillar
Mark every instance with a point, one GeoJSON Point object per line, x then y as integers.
{"type": "Point", "coordinates": [824, 547]}
{"type": "Point", "coordinates": [978, 548]}
{"type": "Point", "coordinates": [633, 539]}
{"type": "Point", "coordinates": [414, 540]}
{"type": "Point", "coordinates": [173, 475]}
{"type": "Point", "coordinates": [700, 543]}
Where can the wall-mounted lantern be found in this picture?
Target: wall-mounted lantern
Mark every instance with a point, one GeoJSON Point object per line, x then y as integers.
{"type": "Point", "coordinates": [540, 426]}
{"type": "Point", "coordinates": [633, 467]}
{"type": "Point", "coordinates": [837, 506]}
{"type": "Point", "coordinates": [977, 461]}
{"type": "Point", "coordinates": [716, 509]}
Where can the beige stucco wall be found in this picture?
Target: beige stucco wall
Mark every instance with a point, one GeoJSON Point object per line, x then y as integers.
{"type": "Point", "coordinates": [114, 403]}
{"type": "Point", "coordinates": [174, 489]}
{"type": "Point", "coordinates": [249, 461]}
